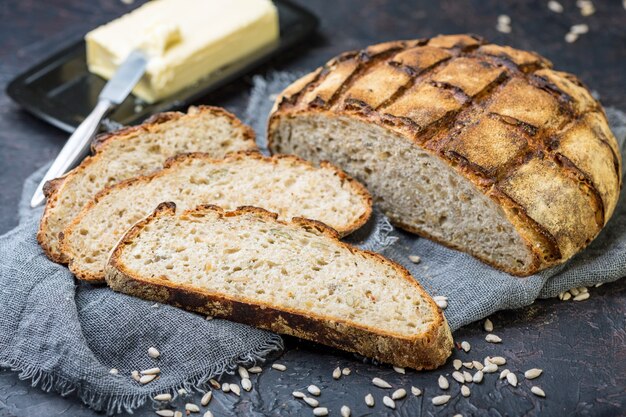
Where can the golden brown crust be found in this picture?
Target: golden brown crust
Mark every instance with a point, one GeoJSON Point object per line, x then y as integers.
{"type": "Point", "coordinates": [55, 189]}
{"type": "Point", "coordinates": [520, 131]}
{"type": "Point", "coordinates": [424, 351]}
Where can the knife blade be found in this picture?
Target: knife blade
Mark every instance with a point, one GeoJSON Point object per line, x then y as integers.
{"type": "Point", "coordinates": [77, 146]}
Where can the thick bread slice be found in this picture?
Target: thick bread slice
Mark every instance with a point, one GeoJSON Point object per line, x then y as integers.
{"type": "Point", "coordinates": [135, 151]}
{"type": "Point", "coordinates": [294, 278]}
{"type": "Point", "coordinates": [481, 147]}
{"type": "Point", "coordinates": [283, 184]}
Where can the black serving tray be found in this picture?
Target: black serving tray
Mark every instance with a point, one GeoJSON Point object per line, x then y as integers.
{"type": "Point", "coordinates": [61, 91]}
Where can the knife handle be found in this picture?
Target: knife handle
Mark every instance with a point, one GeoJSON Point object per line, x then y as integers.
{"type": "Point", "coordinates": [74, 150]}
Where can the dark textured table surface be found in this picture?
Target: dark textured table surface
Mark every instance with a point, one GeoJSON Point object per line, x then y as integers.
{"type": "Point", "coordinates": [581, 346]}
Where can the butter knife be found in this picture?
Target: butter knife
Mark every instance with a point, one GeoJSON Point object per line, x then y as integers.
{"type": "Point", "coordinates": [77, 146]}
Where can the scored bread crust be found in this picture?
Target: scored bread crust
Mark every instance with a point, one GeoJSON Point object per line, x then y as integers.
{"type": "Point", "coordinates": [556, 173]}
{"type": "Point", "coordinates": [426, 350]}
{"type": "Point", "coordinates": [53, 189]}
{"type": "Point", "coordinates": [356, 187]}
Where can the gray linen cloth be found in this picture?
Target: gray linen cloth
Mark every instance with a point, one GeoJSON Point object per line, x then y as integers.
{"type": "Point", "coordinates": [66, 336]}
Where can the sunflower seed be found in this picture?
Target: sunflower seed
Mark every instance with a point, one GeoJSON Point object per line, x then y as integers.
{"type": "Point", "coordinates": [144, 379]}
{"type": "Point", "coordinates": [488, 326]}
{"type": "Point", "coordinates": [314, 390]}
{"type": "Point", "coordinates": [532, 373]}
{"type": "Point", "coordinates": [465, 391]}
{"type": "Point", "coordinates": [346, 371]}
{"type": "Point", "coordinates": [503, 28]}
{"type": "Point", "coordinates": [192, 408]}
{"type": "Point", "coordinates": [579, 29]}
{"type": "Point", "coordinates": [369, 400]}
{"type": "Point", "coordinates": [582, 296]}
{"type": "Point", "coordinates": [399, 370]}
{"type": "Point", "coordinates": [492, 338]}
{"type": "Point", "coordinates": [498, 360]}
{"type": "Point", "coordinates": [389, 402]}
{"type": "Point", "coordinates": [600, 283]}
{"type": "Point", "coordinates": [441, 399]}
{"type": "Point", "coordinates": [587, 10]}
{"type": "Point", "coordinates": [243, 372]}
{"type": "Point", "coordinates": [165, 413]}
{"type": "Point", "coordinates": [255, 370]}
{"type": "Point", "coordinates": [225, 387]}
{"type": "Point", "coordinates": [478, 365]}
{"type": "Point", "coordinates": [416, 391]}
{"type": "Point", "coordinates": [441, 301]}
{"type": "Point", "coordinates": [583, 289]}
{"type": "Point", "coordinates": [537, 391]}
{"type": "Point", "coordinates": [246, 384]}
{"type": "Point", "coordinates": [574, 291]}
{"type": "Point", "coordinates": [279, 367]}
{"type": "Point", "coordinates": [298, 394]}
{"type": "Point", "coordinates": [163, 397]}
{"type": "Point", "coordinates": [398, 394]}
{"type": "Point", "coordinates": [345, 411]}
{"type": "Point", "coordinates": [570, 38]}
{"type": "Point", "coordinates": [465, 346]}
{"type": "Point", "coordinates": [566, 295]}
{"type": "Point", "coordinates": [311, 401]}
{"type": "Point", "coordinates": [151, 371]}
{"type": "Point", "coordinates": [153, 353]}
{"type": "Point", "coordinates": [457, 364]}
{"type": "Point", "coordinates": [235, 389]}
{"type": "Point", "coordinates": [561, 295]}
{"type": "Point", "coordinates": [468, 365]}
{"type": "Point", "coordinates": [512, 378]}
{"type": "Point", "coordinates": [467, 376]}
{"type": "Point", "coordinates": [491, 368]}
{"type": "Point", "coordinates": [214, 383]}
{"type": "Point", "coordinates": [114, 371]}
{"type": "Point", "coordinates": [503, 374]}
{"type": "Point", "coordinates": [135, 375]}
{"type": "Point", "coordinates": [320, 411]}
{"type": "Point", "coordinates": [415, 259]}
{"type": "Point", "coordinates": [555, 6]}
{"type": "Point", "coordinates": [478, 377]}
{"type": "Point", "coordinates": [182, 392]}
{"type": "Point", "coordinates": [380, 383]}
{"type": "Point", "coordinates": [208, 413]}
{"type": "Point", "coordinates": [208, 318]}
{"type": "Point", "coordinates": [206, 398]}
{"type": "Point", "coordinates": [337, 373]}
{"type": "Point", "coordinates": [178, 414]}
{"type": "Point", "coordinates": [458, 377]}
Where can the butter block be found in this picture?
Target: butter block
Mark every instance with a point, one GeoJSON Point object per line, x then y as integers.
{"type": "Point", "coordinates": [185, 40]}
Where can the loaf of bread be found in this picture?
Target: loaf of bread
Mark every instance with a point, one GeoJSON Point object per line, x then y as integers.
{"type": "Point", "coordinates": [283, 184]}
{"type": "Point", "coordinates": [294, 278]}
{"type": "Point", "coordinates": [136, 151]}
{"type": "Point", "coordinates": [481, 147]}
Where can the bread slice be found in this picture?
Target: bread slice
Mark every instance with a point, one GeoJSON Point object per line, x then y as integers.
{"type": "Point", "coordinates": [481, 147]}
{"type": "Point", "coordinates": [134, 151]}
{"type": "Point", "coordinates": [283, 184]}
{"type": "Point", "coordinates": [293, 278]}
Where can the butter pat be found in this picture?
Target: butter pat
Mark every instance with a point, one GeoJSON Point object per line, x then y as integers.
{"type": "Point", "coordinates": [185, 40]}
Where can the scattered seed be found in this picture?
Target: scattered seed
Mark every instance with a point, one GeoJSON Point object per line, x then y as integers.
{"type": "Point", "coordinates": [600, 283]}
{"type": "Point", "coordinates": [458, 377]}
{"type": "Point", "coordinates": [298, 394]}
{"type": "Point", "coordinates": [192, 408]}
{"type": "Point", "coordinates": [114, 371]}
{"type": "Point", "coordinates": [153, 353]}
{"type": "Point", "coordinates": [337, 373]}
{"type": "Point", "coordinates": [566, 295]}
{"type": "Point", "coordinates": [537, 391]}
{"type": "Point", "coordinates": [208, 413]}
{"type": "Point", "coordinates": [182, 392]}
{"type": "Point", "coordinates": [398, 394]}
{"type": "Point", "coordinates": [320, 411]}
{"type": "Point", "coordinates": [345, 411]}
{"type": "Point", "coordinates": [491, 368]}
{"type": "Point", "coordinates": [465, 391]}
{"type": "Point", "coordinates": [478, 377]}
{"type": "Point", "coordinates": [457, 364]}
{"type": "Point", "coordinates": [208, 318]}
{"type": "Point", "coordinates": [255, 370]}
{"type": "Point", "coordinates": [570, 38]}
{"type": "Point", "coordinates": [225, 387]}
{"type": "Point", "coordinates": [389, 402]}
{"type": "Point", "coordinates": [465, 346]}
{"type": "Point", "coordinates": [311, 401]}
{"type": "Point", "coordinates": [441, 399]}
{"type": "Point", "coordinates": [467, 376]}
{"type": "Point", "coordinates": [443, 382]}
{"type": "Point", "coordinates": [555, 6]}
{"type": "Point", "coordinates": [588, 9]}
{"type": "Point", "coordinates": [488, 325]}
{"type": "Point", "coordinates": [532, 373]}
{"type": "Point", "coordinates": [178, 414]}
{"type": "Point", "coordinates": [416, 391]}
{"type": "Point", "coordinates": [151, 371]}
{"type": "Point", "coordinates": [503, 28]}
{"type": "Point", "coordinates": [246, 384]}
{"type": "Point", "coordinates": [206, 398]}
{"type": "Point", "coordinates": [512, 378]}
{"type": "Point", "coordinates": [441, 301]}
{"type": "Point", "coordinates": [380, 383]}
{"type": "Point", "coordinates": [415, 259]}
{"type": "Point", "coordinates": [579, 29]}
{"type": "Point", "coordinates": [163, 397]}
{"type": "Point", "coordinates": [504, 19]}
{"type": "Point", "coordinates": [561, 295]}
{"type": "Point", "coordinates": [314, 390]}
{"type": "Point", "coordinates": [574, 291]}
{"type": "Point", "coordinates": [498, 360]}
{"type": "Point", "coordinates": [144, 379]}
{"type": "Point", "coordinates": [235, 389]}
{"type": "Point", "coordinates": [399, 370]}
{"type": "Point", "coordinates": [346, 371]}
{"type": "Point", "coordinates": [468, 365]}
{"type": "Point", "coordinates": [243, 372]}
{"type": "Point", "coordinates": [369, 400]}
{"type": "Point", "coordinates": [492, 338]}
{"type": "Point", "coordinates": [503, 374]}
{"type": "Point", "coordinates": [135, 375]}
{"type": "Point", "coordinates": [214, 383]}
{"type": "Point", "coordinates": [582, 296]}
{"type": "Point", "coordinates": [165, 413]}
{"type": "Point", "coordinates": [478, 365]}
{"type": "Point", "coordinates": [279, 367]}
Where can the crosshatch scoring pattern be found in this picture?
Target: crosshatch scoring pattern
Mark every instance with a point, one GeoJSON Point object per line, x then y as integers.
{"type": "Point", "coordinates": [530, 137]}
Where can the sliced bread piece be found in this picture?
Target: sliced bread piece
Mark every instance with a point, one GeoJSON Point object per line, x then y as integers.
{"type": "Point", "coordinates": [135, 151]}
{"type": "Point", "coordinates": [294, 278]}
{"type": "Point", "coordinates": [283, 184]}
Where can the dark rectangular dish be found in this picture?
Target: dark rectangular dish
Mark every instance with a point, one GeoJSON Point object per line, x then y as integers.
{"type": "Point", "coordinates": [61, 91]}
